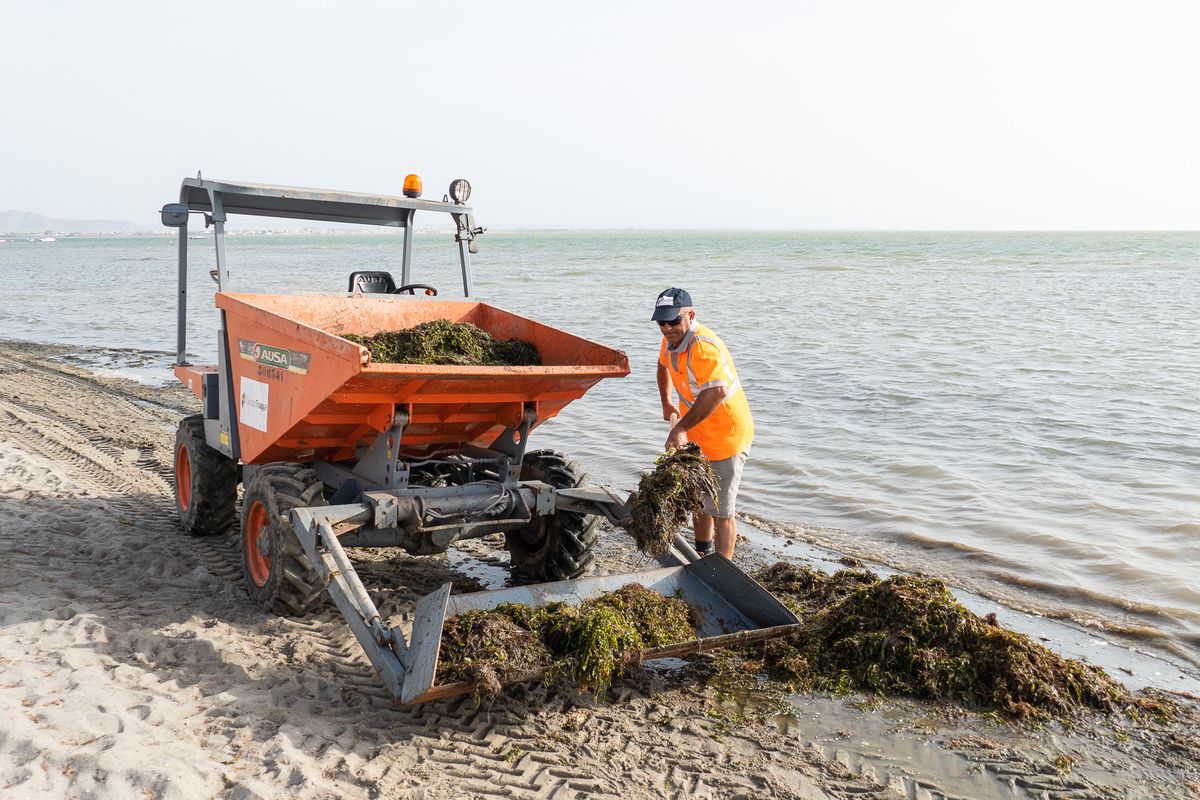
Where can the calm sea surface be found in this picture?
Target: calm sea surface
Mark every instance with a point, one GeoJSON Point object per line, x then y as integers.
{"type": "Point", "coordinates": [1015, 411]}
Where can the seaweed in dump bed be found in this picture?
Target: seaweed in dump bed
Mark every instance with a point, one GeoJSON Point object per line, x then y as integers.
{"type": "Point", "coordinates": [590, 642]}
{"type": "Point", "coordinates": [488, 649]}
{"type": "Point", "coordinates": [677, 487]}
{"type": "Point", "coordinates": [907, 635]}
{"type": "Point", "coordinates": [441, 341]}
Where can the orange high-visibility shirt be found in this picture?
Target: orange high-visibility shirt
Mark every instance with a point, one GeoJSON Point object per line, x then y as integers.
{"type": "Point", "coordinates": [700, 362]}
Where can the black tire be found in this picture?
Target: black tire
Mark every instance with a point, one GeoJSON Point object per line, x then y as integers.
{"type": "Point", "coordinates": [557, 547]}
{"type": "Point", "coordinates": [205, 483]}
{"type": "Point", "coordinates": [278, 574]}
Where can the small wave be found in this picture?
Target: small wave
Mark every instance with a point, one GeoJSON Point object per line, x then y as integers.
{"type": "Point", "coordinates": [929, 543]}
{"type": "Point", "coordinates": [928, 471]}
{"type": "Point", "coordinates": [1097, 443]}
{"type": "Point", "coordinates": [1076, 594]}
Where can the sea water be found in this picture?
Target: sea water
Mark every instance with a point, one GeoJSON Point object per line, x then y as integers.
{"type": "Point", "coordinates": [1017, 411]}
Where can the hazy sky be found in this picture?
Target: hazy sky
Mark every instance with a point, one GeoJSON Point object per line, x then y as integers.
{"type": "Point", "coordinates": [795, 115]}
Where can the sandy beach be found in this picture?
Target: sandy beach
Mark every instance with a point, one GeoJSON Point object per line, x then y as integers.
{"type": "Point", "coordinates": [132, 664]}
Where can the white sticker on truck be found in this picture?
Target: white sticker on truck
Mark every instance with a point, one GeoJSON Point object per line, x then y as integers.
{"type": "Point", "coordinates": [252, 406]}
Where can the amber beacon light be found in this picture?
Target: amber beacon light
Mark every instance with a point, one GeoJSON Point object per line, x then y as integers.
{"type": "Point", "coordinates": [412, 185]}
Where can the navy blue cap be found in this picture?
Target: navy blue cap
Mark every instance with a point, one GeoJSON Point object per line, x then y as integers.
{"type": "Point", "coordinates": [669, 303]}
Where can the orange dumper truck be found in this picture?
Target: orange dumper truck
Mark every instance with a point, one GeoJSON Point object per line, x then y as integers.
{"type": "Point", "coordinates": [334, 451]}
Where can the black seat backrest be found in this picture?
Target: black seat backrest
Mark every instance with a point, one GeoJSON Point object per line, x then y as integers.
{"type": "Point", "coordinates": [372, 282]}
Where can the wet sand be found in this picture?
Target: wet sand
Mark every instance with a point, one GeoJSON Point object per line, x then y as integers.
{"type": "Point", "coordinates": [132, 664]}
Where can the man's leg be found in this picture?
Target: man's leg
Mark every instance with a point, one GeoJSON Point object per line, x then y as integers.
{"type": "Point", "coordinates": [702, 524]}
{"type": "Point", "coordinates": [726, 536]}
{"type": "Point", "coordinates": [722, 507]}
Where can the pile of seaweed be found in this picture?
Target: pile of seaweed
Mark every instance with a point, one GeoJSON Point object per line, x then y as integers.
{"type": "Point", "coordinates": [682, 479]}
{"type": "Point", "coordinates": [441, 341]}
{"type": "Point", "coordinates": [907, 635]}
{"type": "Point", "coordinates": [590, 643]}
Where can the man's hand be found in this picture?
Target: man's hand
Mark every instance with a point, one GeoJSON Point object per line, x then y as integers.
{"type": "Point", "coordinates": [677, 438]}
{"type": "Point", "coordinates": [668, 411]}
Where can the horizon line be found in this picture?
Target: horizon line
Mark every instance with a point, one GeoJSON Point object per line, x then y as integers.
{"type": "Point", "coordinates": [573, 229]}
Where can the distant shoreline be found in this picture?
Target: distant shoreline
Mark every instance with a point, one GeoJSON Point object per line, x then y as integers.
{"type": "Point", "coordinates": [382, 231]}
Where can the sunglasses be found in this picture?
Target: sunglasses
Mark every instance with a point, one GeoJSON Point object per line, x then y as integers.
{"type": "Point", "coordinates": [671, 322]}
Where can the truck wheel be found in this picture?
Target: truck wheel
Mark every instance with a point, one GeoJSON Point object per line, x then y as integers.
{"type": "Point", "coordinates": [278, 574]}
{"type": "Point", "coordinates": [205, 482]}
{"type": "Point", "coordinates": [559, 546]}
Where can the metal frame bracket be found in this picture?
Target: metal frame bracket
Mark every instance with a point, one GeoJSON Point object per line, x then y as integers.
{"type": "Point", "coordinates": [514, 439]}
{"type": "Point", "coordinates": [544, 497]}
{"type": "Point", "coordinates": [381, 464]}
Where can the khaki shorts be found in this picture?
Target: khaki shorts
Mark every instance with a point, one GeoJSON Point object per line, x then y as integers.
{"type": "Point", "coordinates": [729, 478]}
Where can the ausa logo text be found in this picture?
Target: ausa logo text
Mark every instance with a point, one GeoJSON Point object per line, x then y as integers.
{"type": "Point", "coordinates": [277, 357]}
{"type": "Point", "coordinates": [272, 356]}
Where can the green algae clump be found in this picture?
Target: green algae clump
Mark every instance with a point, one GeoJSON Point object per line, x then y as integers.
{"type": "Point", "coordinates": [441, 341]}
{"type": "Point", "coordinates": [907, 635]}
{"type": "Point", "coordinates": [613, 626]}
{"type": "Point", "coordinates": [681, 481]}
{"type": "Point", "coordinates": [594, 643]}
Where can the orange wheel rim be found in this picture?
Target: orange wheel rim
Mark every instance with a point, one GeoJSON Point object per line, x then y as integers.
{"type": "Point", "coordinates": [183, 478]}
{"type": "Point", "coordinates": [257, 543]}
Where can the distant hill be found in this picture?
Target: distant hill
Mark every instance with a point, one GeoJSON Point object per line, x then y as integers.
{"type": "Point", "coordinates": [29, 222]}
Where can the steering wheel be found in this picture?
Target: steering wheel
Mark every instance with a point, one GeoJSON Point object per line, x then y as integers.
{"type": "Point", "coordinates": [410, 287]}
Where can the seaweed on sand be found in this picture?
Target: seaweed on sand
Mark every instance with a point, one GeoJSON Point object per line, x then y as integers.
{"type": "Point", "coordinates": [907, 635]}
{"type": "Point", "coordinates": [682, 479]}
{"type": "Point", "coordinates": [592, 642]}
{"type": "Point", "coordinates": [441, 341]}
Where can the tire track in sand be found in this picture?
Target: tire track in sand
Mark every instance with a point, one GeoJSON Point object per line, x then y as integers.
{"type": "Point", "coordinates": [140, 484]}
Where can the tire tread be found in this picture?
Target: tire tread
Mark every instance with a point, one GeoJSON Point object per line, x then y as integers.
{"type": "Point", "coordinates": [574, 535]}
{"type": "Point", "coordinates": [293, 588]}
{"type": "Point", "coordinates": [213, 509]}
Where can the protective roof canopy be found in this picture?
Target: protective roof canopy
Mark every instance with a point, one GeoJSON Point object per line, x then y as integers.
{"type": "Point", "coordinates": [316, 204]}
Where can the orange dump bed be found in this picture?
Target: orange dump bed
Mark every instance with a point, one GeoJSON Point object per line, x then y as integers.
{"type": "Point", "coordinates": [301, 392]}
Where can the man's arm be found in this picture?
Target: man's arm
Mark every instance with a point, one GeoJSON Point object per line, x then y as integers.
{"type": "Point", "coordinates": [664, 392]}
{"type": "Point", "coordinates": [705, 404]}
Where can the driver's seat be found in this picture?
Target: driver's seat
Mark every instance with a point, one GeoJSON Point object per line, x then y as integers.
{"type": "Point", "coordinates": [379, 282]}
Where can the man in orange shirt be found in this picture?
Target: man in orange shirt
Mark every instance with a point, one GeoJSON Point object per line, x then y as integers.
{"type": "Point", "coordinates": [712, 411]}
